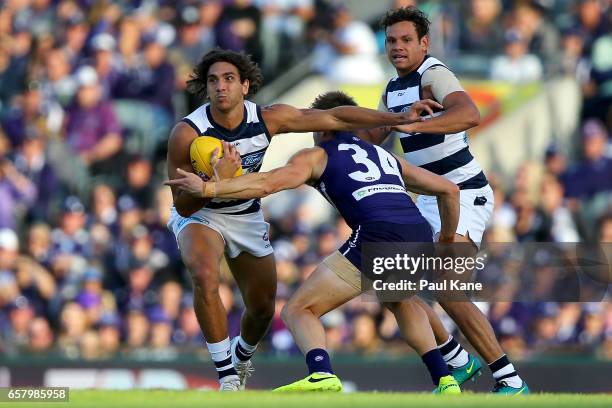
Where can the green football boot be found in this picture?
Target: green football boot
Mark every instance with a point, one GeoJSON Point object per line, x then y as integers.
{"type": "Point", "coordinates": [314, 382]}
{"type": "Point", "coordinates": [448, 385]}
{"type": "Point", "coordinates": [502, 388]}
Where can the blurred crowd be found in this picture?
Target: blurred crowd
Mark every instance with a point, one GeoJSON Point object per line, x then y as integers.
{"type": "Point", "coordinates": [89, 89]}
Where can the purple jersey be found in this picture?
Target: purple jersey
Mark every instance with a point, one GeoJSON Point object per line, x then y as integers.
{"type": "Point", "coordinates": [364, 182]}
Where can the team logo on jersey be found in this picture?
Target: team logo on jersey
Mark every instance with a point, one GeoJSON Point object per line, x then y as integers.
{"type": "Point", "coordinates": [252, 159]}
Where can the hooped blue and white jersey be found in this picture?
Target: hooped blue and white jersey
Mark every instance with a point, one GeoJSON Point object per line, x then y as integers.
{"type": "Point", "coordinates": [364, 182]}
{"type": "Point", "coordinates": [446, 155]}
{"type": "Point", "coordinates": [251, 138]}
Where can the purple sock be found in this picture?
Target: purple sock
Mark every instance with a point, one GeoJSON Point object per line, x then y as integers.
{"type": "Point", "coordinates": [318, 361]}
{"type": "Point", "coordinates": [436, 365]}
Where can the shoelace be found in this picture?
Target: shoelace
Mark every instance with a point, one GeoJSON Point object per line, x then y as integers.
{"type": "Point", "coordinates": [245, 370]}
{"type": "Point", "coordinates": [499, 385]}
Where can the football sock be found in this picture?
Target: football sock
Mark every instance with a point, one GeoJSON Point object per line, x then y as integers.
{"type": "Point", "coordinates": [453, 353]}
{"type": "Point", "coordinates": [318, 361]}
{"type": "Point", "coordinates": [221, 355]}
{"type": "Point", "coordinates": [242, 351]}
{"type": "Point", "coordinates": [436, 365]}
{"type": "Point", "coordinates": [503, 370]}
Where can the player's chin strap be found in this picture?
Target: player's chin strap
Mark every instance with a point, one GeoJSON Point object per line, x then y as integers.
{"type": "Point", "coordinates": [209, 190]}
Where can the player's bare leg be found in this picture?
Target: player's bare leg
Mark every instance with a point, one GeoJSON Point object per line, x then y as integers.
{"type": "Point", "coordinates": [413, 324]}
{"type": "Point", "coordinates": [472, 322]}
{"type": "Point", "coordinates": [476, 328]}
{"type": "Point", "coordinates": [416, 331]}
{"type": "Point", "coordinates": [321, 292]}
{"type": "Point", "coordinates": [201, 251]}
{"type": "Point", "coordinates": [256, 278]}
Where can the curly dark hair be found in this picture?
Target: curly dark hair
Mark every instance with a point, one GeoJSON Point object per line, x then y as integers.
{"type": "Point", "coordinates": [247, 69]}
{"type": "Point", "coordinates": [412, 14]}
{"type": "Point", "coordinates": [332, 99]}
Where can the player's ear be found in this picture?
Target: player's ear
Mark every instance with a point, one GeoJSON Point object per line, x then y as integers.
{"type": "Point", "coordinates": [425, 42]}
{"type": "Point", "coordinates": [245, 87]}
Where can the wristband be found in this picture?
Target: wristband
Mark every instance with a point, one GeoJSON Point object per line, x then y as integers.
{"type": "Point", "coordinates": [209, 190]}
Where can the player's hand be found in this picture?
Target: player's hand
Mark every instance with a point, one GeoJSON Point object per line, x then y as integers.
{"type": "Point", "coordinates": [189, 182]}
{"type": "Point", "coordinates": [415, 112]}
{"type": "Point", "coordinates": [226, 166]}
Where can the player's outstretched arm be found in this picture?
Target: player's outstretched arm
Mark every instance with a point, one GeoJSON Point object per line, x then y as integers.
{"type": "Point", "coordinates": [285, 118]}
{"type": "Point", "coordinates": [305, 165]}
{"type": "Point", "coordinates": [422, 181]}
{"type": "Point", "coordinates": [178, 158]}
{"type": "Point", "coordinates": [460, 113]}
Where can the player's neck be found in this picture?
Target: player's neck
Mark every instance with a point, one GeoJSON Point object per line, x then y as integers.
{"type": "Point", "coordinates": [230, 119]}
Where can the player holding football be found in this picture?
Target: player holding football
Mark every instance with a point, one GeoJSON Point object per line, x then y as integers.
{"type": "Point", "coordinates": [341, 166]}
{"type": "Point", "coordinates": [440, 145]}
{"type": "Point", "coordinates": [207, 229]}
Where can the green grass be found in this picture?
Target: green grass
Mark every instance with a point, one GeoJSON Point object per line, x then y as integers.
{"type": "Point", "coordinates": [204, 399]}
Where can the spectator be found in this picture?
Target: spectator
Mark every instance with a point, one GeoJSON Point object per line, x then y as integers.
{"type": "Point", "coordinates": [482, 31]}
{"type": "Point", "coordinates": [555, 161]}
{"type": "Point", "coordinates": [104, 205]}
{"type": "Point", "coordinates": [75, 36]}
{"type": "Point", "coordinates": [556, 224]}
{"type": "Point", "coordinates": [351, 44]}
{"type": "Point", "coordinates": [33, 117]}
{"type": "Point", "coordinates": [92, 129]}
{"type": "Point", "coordinates": [21, 314]}
{"type": "Point", "coordinates": [138, 179]}
{"type": "Point", "coordinates": [40, 336]}
{"type": "Point", "coordinates": [516, 65]}
{"type": "Point", "coordinates": [239, 28]}
{"type": "Point", "coordinates": [188, 332]}
{"type": "Point", "coordinates": [591, 20]}
{"type": "Point", "coordinates": [74, 325]}
{"type": "Point", "coordinates": [39, 243]}
{"type": "Point", "coordinates": [541, 36]}
{"type": "Point", "coordinates": [593, 174]}
{"type": "Point", "coordinates": [31, 161]}
{"type": "Point", "coordinates": [137, 329]}
{"type": "Point", "coordinates": [110, 335]}
{"type": "Point", "coordinates": [17, 194]}
{"type": "Point", "coordinates": [153, 80]}
{"type": "Point", "coordinates": [106, 63]}
{"type": "Point", "coordinates": [283, 28]}
{"type": "Point", "coordinates": [58, 85]}
{"type": "Point", "coordinates": [13, 76]}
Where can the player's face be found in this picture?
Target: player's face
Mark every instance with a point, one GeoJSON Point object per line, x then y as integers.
{"type": "Point", "coordinates": [224, 87]}
{"type": "Point", "coordinates": [403, 47]}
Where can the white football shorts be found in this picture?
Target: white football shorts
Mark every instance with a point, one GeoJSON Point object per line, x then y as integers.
{"type": "Point", "coordinates": [245, 232]}
{"type": "Point", "coordinates": [476, 207]}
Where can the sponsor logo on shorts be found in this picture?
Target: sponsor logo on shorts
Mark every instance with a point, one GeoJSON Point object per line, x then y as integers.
{"type": "Point", "coordinates": [377, 188]}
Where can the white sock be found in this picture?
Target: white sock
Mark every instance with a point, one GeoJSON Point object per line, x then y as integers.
{"type": "Point", "coordinates": [242, 351]}
{"type": "Point", "coordinates": [221, 355]}
{"type": "Point", "coordinates": [507, 373]}
{"type": "Point", "coordinates": [453, 354]}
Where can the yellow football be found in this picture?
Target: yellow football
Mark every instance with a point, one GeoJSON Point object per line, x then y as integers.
{"type": "Point", "coordinates": [201, 150]}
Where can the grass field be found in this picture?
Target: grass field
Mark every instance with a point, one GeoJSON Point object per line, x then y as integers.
{"type": "Point", "coordinates": [204, 399]}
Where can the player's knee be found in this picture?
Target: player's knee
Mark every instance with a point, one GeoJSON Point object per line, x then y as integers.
{"type": "Point", "coordinates": [205, 277]}
{"type": "Point", "coordinates": [291, 310]}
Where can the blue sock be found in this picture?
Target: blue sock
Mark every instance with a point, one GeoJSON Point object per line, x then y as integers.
{"type": "Point", "coordinates": [318, 361]}
{"type": "Point", "coordinates": [436, 365]}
